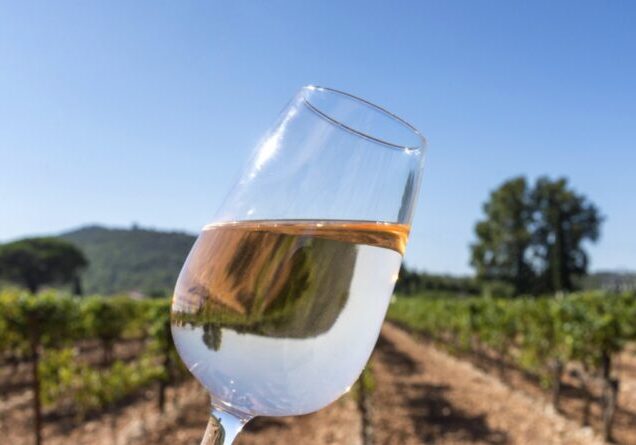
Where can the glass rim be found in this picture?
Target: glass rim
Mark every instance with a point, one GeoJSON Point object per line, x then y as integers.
{"type": "Point", "coordinates": [422, 140]}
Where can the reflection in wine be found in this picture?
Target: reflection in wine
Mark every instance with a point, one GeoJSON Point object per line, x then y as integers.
{"type": "Point", "coordinates": [286, 298]}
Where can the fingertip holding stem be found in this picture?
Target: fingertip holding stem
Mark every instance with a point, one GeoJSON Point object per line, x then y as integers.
{"type": "Point", "coordinates": [223, 427]}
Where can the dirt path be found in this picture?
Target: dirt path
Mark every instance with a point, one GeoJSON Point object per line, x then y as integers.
{"type": "Point", "coordinates": [425, 396]}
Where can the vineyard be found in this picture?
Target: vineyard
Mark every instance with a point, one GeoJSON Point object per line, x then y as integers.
{"type": "Point", "coordinates": [68, 345]}
{"type": "Point", "coordinates": [541, 337]}
{"type": "Point", "coordinates": [88, 356]}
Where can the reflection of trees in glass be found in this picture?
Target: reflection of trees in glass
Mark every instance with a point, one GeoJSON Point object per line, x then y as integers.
{"type": "Point", "coordinates": [212, 336]}
{"type": "Point", "coordinates": [289, 287]}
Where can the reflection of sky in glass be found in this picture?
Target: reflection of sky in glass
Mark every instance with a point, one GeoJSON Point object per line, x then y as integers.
{"type": "Point", "coordinates": [336, 174]}
{"type": "Point", "coordinates": [271, 144]}
{"type": "Point", "coordinates": [276, 376]}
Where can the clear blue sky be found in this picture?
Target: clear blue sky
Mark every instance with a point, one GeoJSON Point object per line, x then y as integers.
{"type": "Point", "coordinates": [116, 112]}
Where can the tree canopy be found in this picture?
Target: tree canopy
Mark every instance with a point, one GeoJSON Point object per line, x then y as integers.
{"type": "Point", "coordinates": [35, 262]}
{"type": "Point", "coordinates": [504, 236]}
{"type": "Point", "coordinates": [532, 237]}
{"type": "Point", "coordinates": [563, 220]}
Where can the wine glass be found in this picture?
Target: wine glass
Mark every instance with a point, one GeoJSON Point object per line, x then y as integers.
{"type": "Point", "coordinates": [281, 299]}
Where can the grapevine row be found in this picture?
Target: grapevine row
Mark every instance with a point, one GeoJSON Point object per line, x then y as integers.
{"type": "Point", "coordinates": [44, 330]}
{"type": "Point", "coordinates": [538, 335]}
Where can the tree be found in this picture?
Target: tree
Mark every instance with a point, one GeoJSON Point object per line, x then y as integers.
{"type": "Point", "coordinates": [34, 262]}
{"type": "Point", "coordinates": [501, 252]}
{"type": "Point", "coordinates": [563, 221]}
{"type": "Point", "coordinates": [532, 237]}
{"type": "Point", "coordinates": [411, 282]}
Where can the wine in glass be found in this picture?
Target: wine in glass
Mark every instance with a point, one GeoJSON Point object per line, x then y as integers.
{"type": "Point", "coordinates": [281, 299]}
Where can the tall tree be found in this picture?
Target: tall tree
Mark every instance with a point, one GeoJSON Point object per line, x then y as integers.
{"type": "Point", "coordinates": [503, 238]}
{"type": "Point", "coordinates": [34, 262]}
{"type": "Point", "coordinates": [563, 220]}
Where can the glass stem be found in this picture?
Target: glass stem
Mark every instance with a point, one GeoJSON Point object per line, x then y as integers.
{"type": "Point", "coordinates": [223, 427]}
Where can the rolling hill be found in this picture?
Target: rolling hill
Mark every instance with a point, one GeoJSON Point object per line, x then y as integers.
{"type": "Point", "coordinates": [124, 260]}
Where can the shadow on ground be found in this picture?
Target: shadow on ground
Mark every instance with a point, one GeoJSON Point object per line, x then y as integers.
{"type": "Point", "coordinates": [433, 415]}
{"type": "Point", "coordinates": [263, 423]}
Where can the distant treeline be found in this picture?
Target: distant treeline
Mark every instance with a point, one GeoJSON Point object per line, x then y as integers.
{"type": "Point", "coordinates": [611, 281]}
{"type": "Point", "coordinates": [411, 282]}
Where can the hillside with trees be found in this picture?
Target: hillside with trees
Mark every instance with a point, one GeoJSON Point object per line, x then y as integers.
{"type": "Point", "coordinates": [123, 260]}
